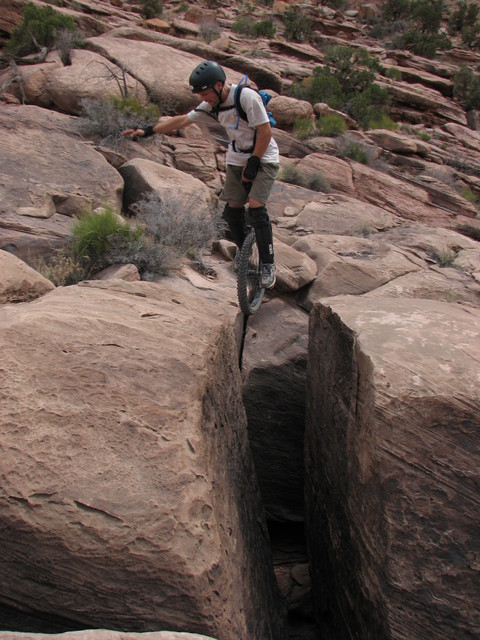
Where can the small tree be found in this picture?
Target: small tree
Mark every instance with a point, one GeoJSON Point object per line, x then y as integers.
{"type": "Point", "coordinates": [39, 28]}
{"type": "Point", "coordinates": [465, 21]}
{"type": "Point", "coordinates": [466, 88]}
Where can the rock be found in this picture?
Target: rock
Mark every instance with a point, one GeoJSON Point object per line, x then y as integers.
{"type": "Point", "coordinates": [397, 142]}
{"type": "Point", "coordinates": [423, 99]}
{"type": "Point", "coordinates": [127, 272]}
{"type": "Point", "coordinates": [287, 110]}
{"type": "Point", "coordinates": [19, 282]}
{"type": "Point", "coordinates": [197, 158]}
{"type": "Point", "coordinates": [343, 215]}
{"type": "Point", "coordinates": [353, 265]}
{"type": "Point", "coordinates": [337, 171]}
{"type": "Point", "coordinates": [401, 198]}
{"type": "Point", "coordinates": [47, 176]}
{"type": "Point", "coordinates": [31, 86]}
{"type": "Point", "coordinates": [144, 176]}
{"type": "Point", "coordinates": [90, 75]}
{"type": "Point", "coordinates": [294, 268]}
{"type": "Point", "coordinates": [170, 88]}
{"type": "Point", "coordinates": [392, 462]}
{"type": "Point", "coordinates": [133, 490]}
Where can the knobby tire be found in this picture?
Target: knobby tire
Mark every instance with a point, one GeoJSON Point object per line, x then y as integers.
{"type": "Point", "coordinates": [250, 293]}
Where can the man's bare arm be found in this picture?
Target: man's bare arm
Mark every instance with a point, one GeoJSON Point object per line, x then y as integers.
{"type": "Point", "coordinates": [164, 125]}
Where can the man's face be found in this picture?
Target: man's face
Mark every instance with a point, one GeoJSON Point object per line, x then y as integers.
{"type": "Point", "coordinates": [210, 96]}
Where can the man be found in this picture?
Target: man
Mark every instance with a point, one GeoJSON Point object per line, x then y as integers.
{"type": "Point", "coordinates": [252, 156]}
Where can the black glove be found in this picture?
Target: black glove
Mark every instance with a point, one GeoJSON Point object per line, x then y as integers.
{"type": "Point", "coordinates": [147, 131]}
{"type": "Point", "coordinates": [251, 168]}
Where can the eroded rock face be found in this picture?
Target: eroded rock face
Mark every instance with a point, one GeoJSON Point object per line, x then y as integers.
{"type": "Point", "coordinates": [47, 175]}
{"type": "Point", "coordinates": [19, 282]}
{"type": "Point", "coordinates": [103, 634]}
{"type": "Point", "coordinates": [392, 462]}
{"type": "Point", "coordinates": [128, 497]}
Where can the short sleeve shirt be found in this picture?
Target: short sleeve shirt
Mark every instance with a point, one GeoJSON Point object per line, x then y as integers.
{"type": "Point", "coordinates": [240, 133]}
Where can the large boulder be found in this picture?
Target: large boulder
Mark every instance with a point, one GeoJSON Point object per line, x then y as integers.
{"type": "Point", "coordinates": [145, 176]}
{"type": "Point", "coordinates": [90, 75]}
{"type": "Point", "coordinates": [393, 467]}
{"type": "Point", "coordinates": [128, 496]}
{"type": "Point", "coordinates": [18, 281]}
{"type": "Point", "coordinates": [162, 70]}
{"type": "Point", "coordinates": [47, 176]}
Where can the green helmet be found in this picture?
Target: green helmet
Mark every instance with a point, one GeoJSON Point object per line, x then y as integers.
{"type": "Point", "coordinates": [205, 76]}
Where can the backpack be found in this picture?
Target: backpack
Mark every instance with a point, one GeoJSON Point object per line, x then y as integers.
{"type": "Point", "coordinates": [266, 97]}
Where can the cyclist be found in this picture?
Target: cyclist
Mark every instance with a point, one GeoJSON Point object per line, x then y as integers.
{"type": "Point", "coordinates": [252, 156]}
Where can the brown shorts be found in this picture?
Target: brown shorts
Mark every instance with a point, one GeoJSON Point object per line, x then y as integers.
{"type": "Point", "coordinates": [235, 192]}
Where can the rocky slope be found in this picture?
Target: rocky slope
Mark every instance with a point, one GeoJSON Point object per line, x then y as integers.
{"type": "Point", "coordinates": [128, 494]}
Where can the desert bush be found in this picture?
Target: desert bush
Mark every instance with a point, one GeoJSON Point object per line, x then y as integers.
{"type": "Point", "coordinates": [464, 20]}
{"type": "Point", "coordinates": [444, 257]}
{"type": "Point", "coordinates": [303, 128]}
{"type": "Point", "coordinates": [298, 25]}
{"type": "Point", "coordinates": [65, 41]}
{"type": "Point", "coordinates": [39, 27]}
{"type": "Point", "coordinates": [393, 73]}
{"type": "Point", "coordinates": [93, 232]}
{"type": "Point", "coordinates": [346, 83]}
{"type": "Point", "coordinates": [151, 8]}
{"type": "Point", "coordinates": [383, 122]}
{"type": "Point", "coordinates": [180, 226]}
{"type": "Point", "coordinates": [244, 25]}
{"type": "Point", "coordinates": [331, 125]}
{"type": "Point", "coordinates": [209, 31]}
{"type": "Point", "coordinates": [419, 25]}
{"type": "Point", "coordinates": [316, 181]}
{"type": "Point", "coordinates": [466, 87]}
{"type": "Point", "coordinates": [103, 118]}
{"type": "Point", "coordinates": [264, 28]}
{"type": "Point", "coordinates": [63, 268]}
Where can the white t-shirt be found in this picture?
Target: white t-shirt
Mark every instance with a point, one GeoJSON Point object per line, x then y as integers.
{"type": "Point", "coordinates": [240, 133]}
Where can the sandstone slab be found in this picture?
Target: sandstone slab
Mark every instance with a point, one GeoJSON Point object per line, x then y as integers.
{"type": "Point", "coordinates": [19, 282]}
{"type": "Point", "coordinates": [128, 497]}
{"type": "Point", "coordinates": [392, 461]}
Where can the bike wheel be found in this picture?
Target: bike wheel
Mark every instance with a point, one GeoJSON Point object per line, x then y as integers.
{"type": "Point", "coordinates": [250, 293]}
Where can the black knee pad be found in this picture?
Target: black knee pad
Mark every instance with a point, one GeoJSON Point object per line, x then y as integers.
{"type": "Point", "coordinates": [258, 217]}
{"type": "Point", "coordinates": [235, 218]}
{"type": "Point", "coordinates": [233, 214]}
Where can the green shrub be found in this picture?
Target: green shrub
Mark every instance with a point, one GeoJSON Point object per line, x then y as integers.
{"type": "Point", "coordinates": [315, 181]}
{"type": "Point", "coordinates": [465, 21]}
{"type": "Point", "coordinates": [356, 152]}
{"type": "Point", "coordinates": [425, 44]}
{"type": "Point", "coordinates": [393, 10]}
{"type": "Point", "coordinates": [393, 73]}
{"type": "Point", "coordinates": [151, 9]}
{"type": "Point", "coordinates": [103, 118]}
{"type": "Point", "coordinates": [93, 231]}
{"type": "Point", "coordinates": [303, 128]}
{"type": "Point", "coordinates": [382, 122]}
{"type": "Point", "coordinates": [423, 135]}
{"type": "Point", "coordinates": [331, 125]}
{"type": "Point", "coordinates": [40, 26]}
{"type": "Point", "coordinates": [298, 25]}
{"type": "Point", "coordinates": [346, 83]}
{"type": "Point", "coordinates": [264, 28]}
{"type": "Point", "coordinates": [466, 87]}
{"type": "Point", "coordinates": [244, 25]}
{"type": "Point", "coordinates": [469, 195]}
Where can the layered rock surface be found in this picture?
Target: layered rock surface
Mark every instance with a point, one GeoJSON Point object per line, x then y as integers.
{"type": "Point", "coordinates": [128, 495]}
{"type": "Point", "coordinates": [392, 466]}
{"type": "Point", "coordinates": [105, 385]}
